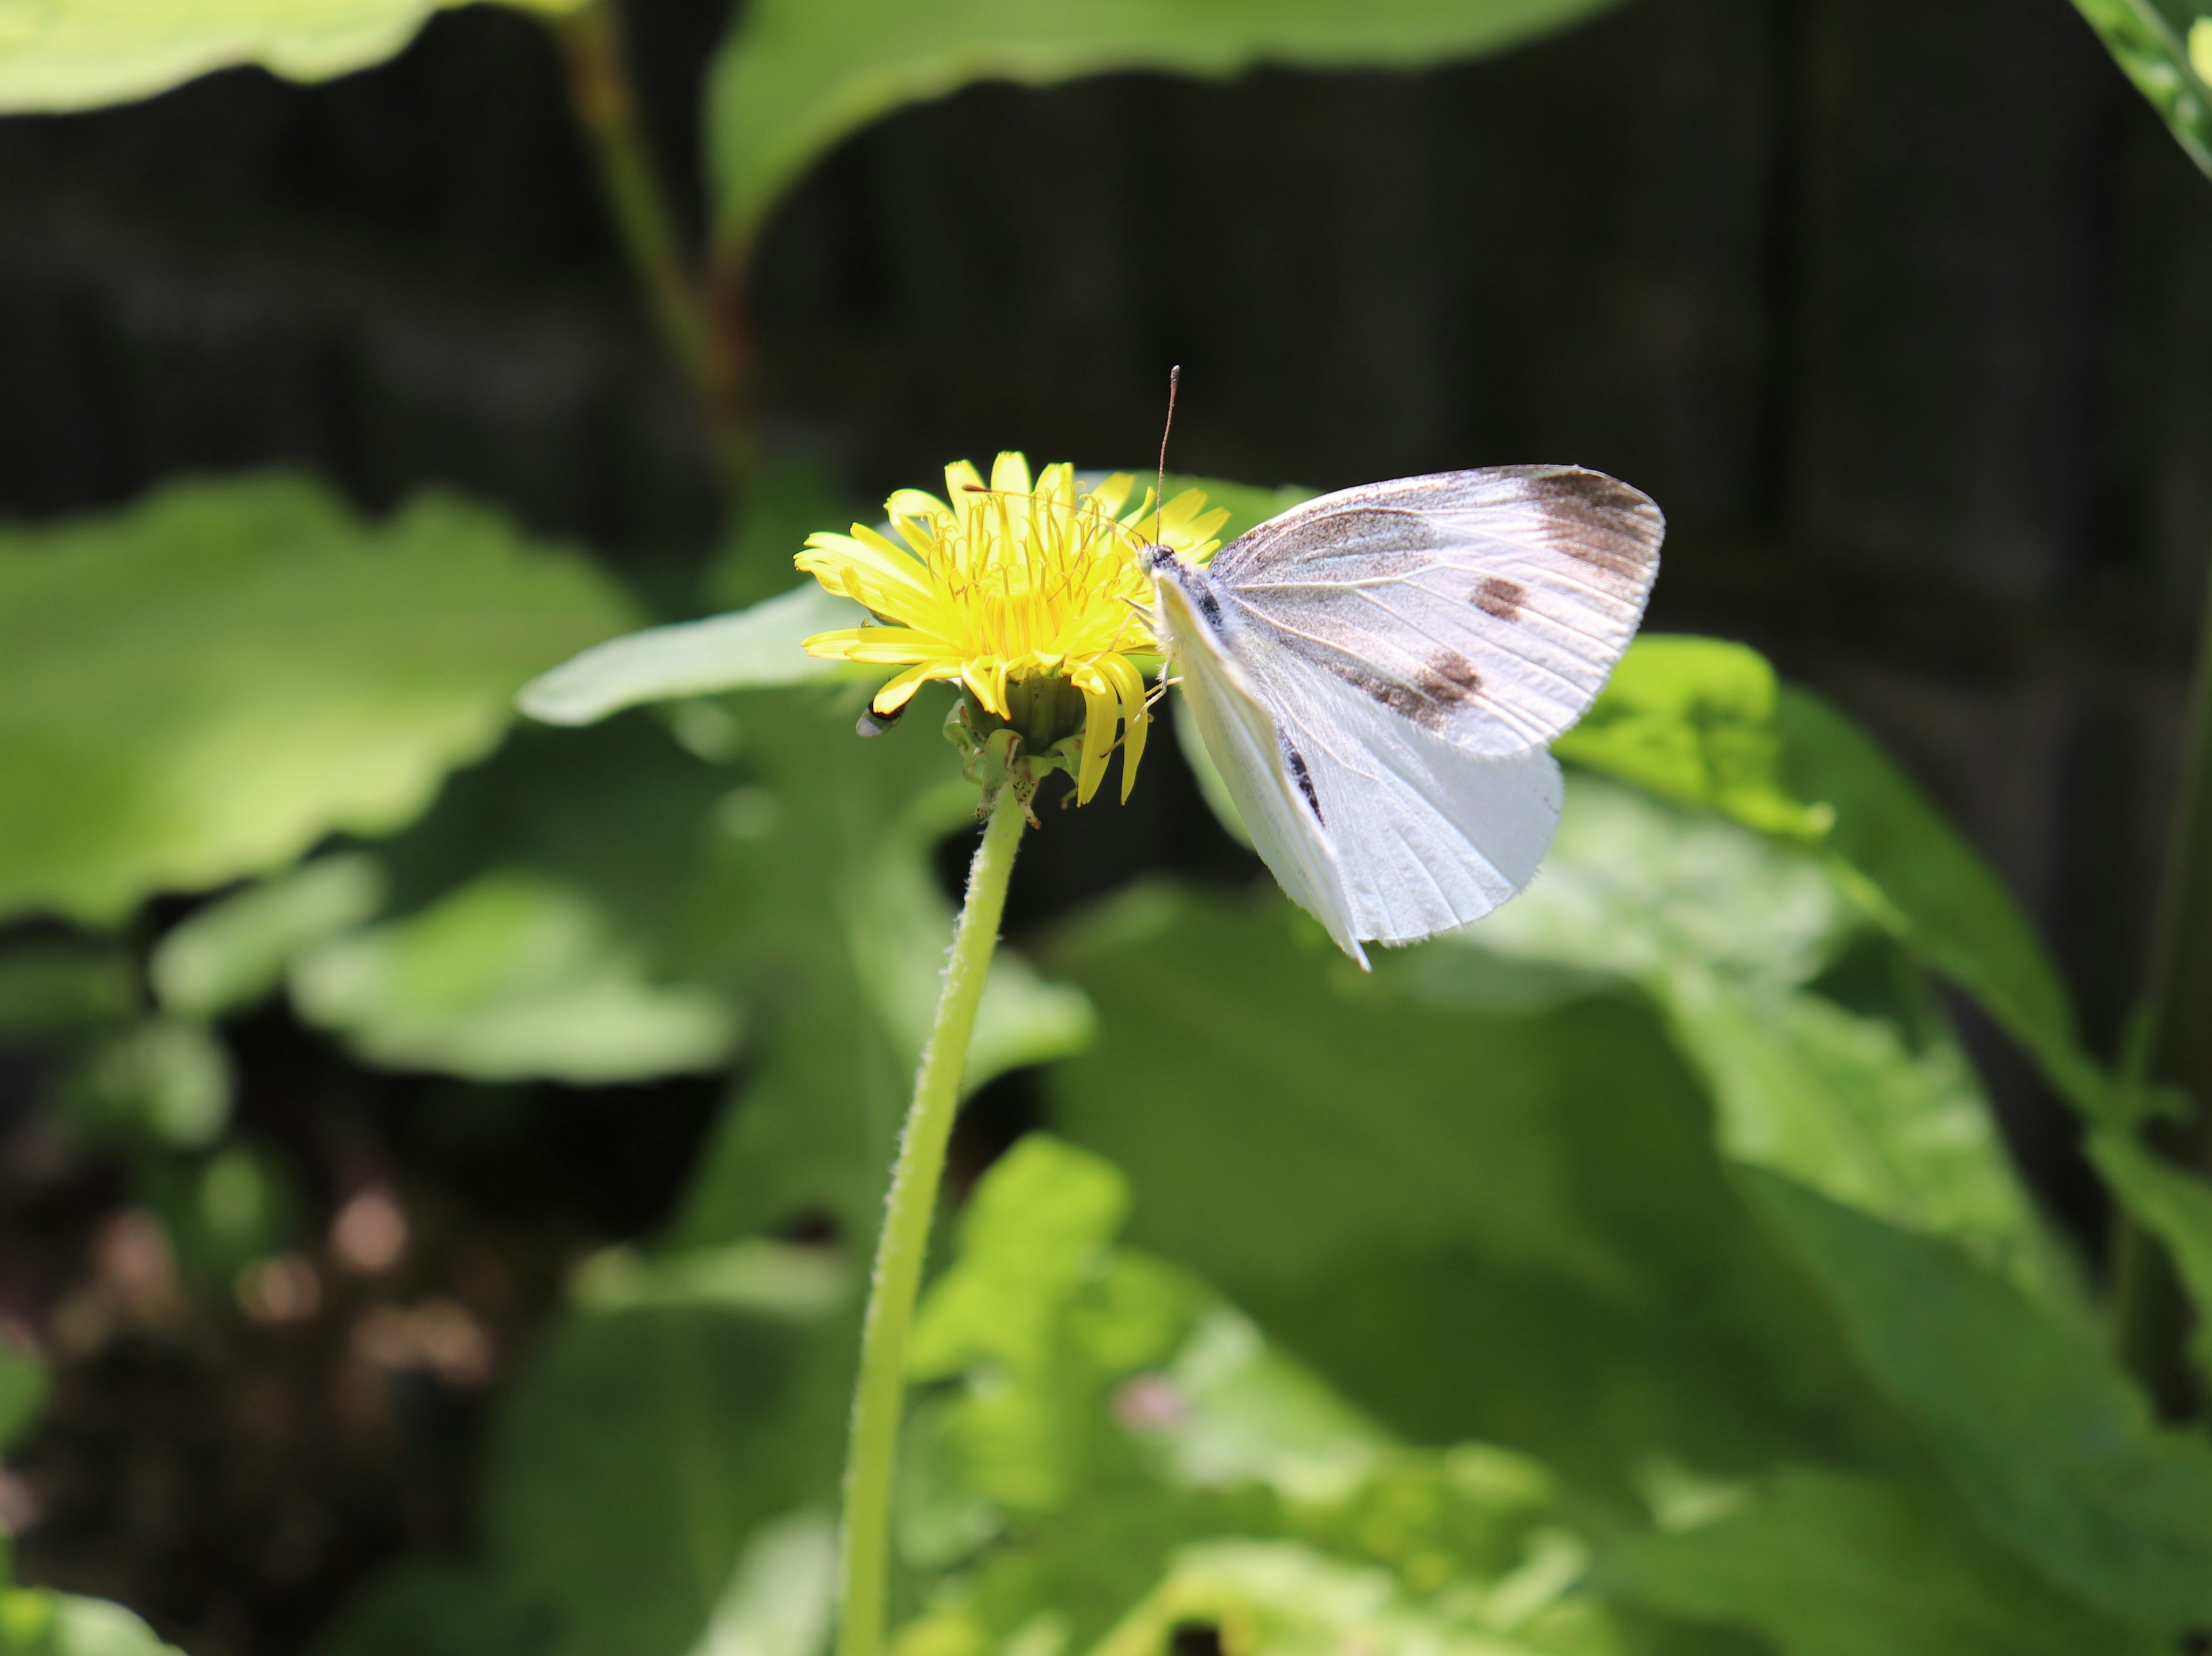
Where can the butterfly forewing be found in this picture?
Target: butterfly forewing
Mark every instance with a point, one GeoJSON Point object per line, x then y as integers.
{"type": "Point", "coordinates": [1487, 607]}
{"type": "Point", "coordinates": [1254, 760]}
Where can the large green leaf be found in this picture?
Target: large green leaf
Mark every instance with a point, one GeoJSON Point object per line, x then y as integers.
{"type": "Point", "coordinates": [1474, 1225]}
{"type": "Point", "coordinates": [203, 686]}
{"type": "Point", "coordinates": [1705, 723]}
{"type": "Point", "coordinates": [77, 54]}
{"type": "Point", "coordinates": [2165, 46]}
{"type": "Point", "coordinates": [1829, 1566]}
{"type": "Point", "coordinates": [2045, 1440]}
{"type": "Point", "coordinates": [36, 1622]}
{"type": "Point", "coordinates": [795, 76]}
{"type": "Point", "coordinates": [1725, 930]}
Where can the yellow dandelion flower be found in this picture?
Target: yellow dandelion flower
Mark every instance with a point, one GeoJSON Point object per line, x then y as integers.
{"type": "Point", "coordinates": [1021, 591]}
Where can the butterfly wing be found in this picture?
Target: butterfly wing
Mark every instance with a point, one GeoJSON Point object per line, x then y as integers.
{"type": "Point", "coordinates": [1484, 607]}
{"type": "Point", "coordinates": [1429, 837]}
{"type": "Point", "coordinates": [1277, 803]}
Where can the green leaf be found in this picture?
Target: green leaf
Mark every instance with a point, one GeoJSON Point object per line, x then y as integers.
{"type": "Point", "coordinates": [78, 54]}
{"type": "Point", "coordinates": [1692, 720]}
{"type": "Point", "coordinates": [513, 977]}
{"type": "Point", "coordinates": [795, 76]}
{"type": "Point", "coordinates": [232, 953]}
{"type": "Point", "coordinates": [203, 686]}
{"type": "Point", "coordinates": [1724, 929]}
{"type": "Point", "coordinates": [1829, 1566]}
{"type": "Point", "coordinates": [2045, 1440]}
{"type": "Point", "coordinates": [2164, 46]}
{"type": "Point", "coordinates": [1473, 1225]}
{"type": "Point", "coordinates": [2176, 1205]}
{"type": "Point", "coordinates": [753, 648]}
{"type": "Point", "coordinates": [1705, 723]}
{"type": "Point", "coordinates": [36, 1622]}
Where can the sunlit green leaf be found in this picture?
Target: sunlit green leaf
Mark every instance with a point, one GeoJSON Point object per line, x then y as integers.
{"type": "Point", "coordinates": [514, 976]}
{"type": "Point", "coordinates": [233, 953]}
{"type": "Point", "coordinates": [795, 76]}
{"type": "Point", "coordinates": [2043, 1438]}
{"type": "Point", "coordinates": [1724, 929]}
{"type": "Point", "coordinates": [36, 1622]}
{"type": "Point", "coordinates": [1692, 720]}
{"type": "Point", "coordinates": [77, 54]}
{"type": "Point", "coordinates": [1829, 1566]}
{"type": "Point", "coordinates": [1703, 723]}
{"type": "Point", "coordinates": [748, 650]}
{"type": "Point", "coordinates": [203, 686]}
{"type": "Point", "coordinates": [2176, 1204]}
{"type": "Point", "coordinates": [1474, 1226]}
{"type": "Point", "coordinates": [2165, 46]}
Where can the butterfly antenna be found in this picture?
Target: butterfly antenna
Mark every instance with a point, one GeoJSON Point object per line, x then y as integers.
{"type": "Point", "coordinates": [1160, 488]}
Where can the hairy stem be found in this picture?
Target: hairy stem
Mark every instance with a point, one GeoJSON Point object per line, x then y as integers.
{"type": "Point", "coordinates": [879, 1399]}
{"type": "Point", "coordinates": [709, 356]}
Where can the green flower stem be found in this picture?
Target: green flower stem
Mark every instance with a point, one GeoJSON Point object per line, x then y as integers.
{"type": "Point", "coordinates": [879, 1399]}
{"type": "Point", "coordinates": [709, 357]}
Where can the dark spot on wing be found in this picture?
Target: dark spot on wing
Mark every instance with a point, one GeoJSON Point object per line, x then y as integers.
{"type": "Point", "coordinates": [1496, 596]}
{"type": "Point", "coordinates": [1600, 521]}
{"type": "Point", "coordinates": [1303, 777]}
{"type": "Point", "coordinates": [1209, 606]}
{"type": "Point", "coordinates": [1444, 681]}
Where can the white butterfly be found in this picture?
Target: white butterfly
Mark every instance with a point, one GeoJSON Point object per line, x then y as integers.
{"type": "Point", "coordinates": [1377, 673]}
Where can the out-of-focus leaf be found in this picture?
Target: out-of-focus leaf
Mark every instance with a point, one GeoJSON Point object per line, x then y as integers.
{"type": "Point", "coordinates": [2176, 1205]}
{"type": "Point", "coordinates": [233, 953]}
{"type": "Point", "coordinates": [1703, 722]}
{"type": "Point", "coordinates": [1291, 1600]}
{"type": "Point", "coordinates": [22, 1390]}
{"type": "Point", "coordinates": [1829, 1566]}
{"type": "Point", "coordinates": [659, 1458]}
{"type": "Point", "coordinates": [167, 1081]}
{"type": "Point", "coordinates": [753, 648]}
{"type": "Point", "coordinates": [78, 54]}
{"type": "Point", "coordinates": [202, 686]}
{"type": "Point", "coordinates": [1096, 1410]}
{"type": "Point", "coordinates": [1721, 929]}
{"type": "Point", "coordinates": [511, 977]}
{"type": "Point", "coordinates": [1474, 1226]}
{"type": "Point", "coordinates": [57, 991]}
{"type": "Point", "coordinates": [2045, 1440]}
{"type": "Point", "coordinates": [36, 1622]}
{"type": "Point", "coordinates": [827, 901]}
{"type": "Point", "coordinates": [754, 1274]}
{"type": "Point", "coordinates": [2165, 46]}
{"type": "Point", "coordinates": [1692, 720]}
{"type": "Point", "coordinates": [221, 1212]}
{"type": "Point", "coordinates": [795, 76]}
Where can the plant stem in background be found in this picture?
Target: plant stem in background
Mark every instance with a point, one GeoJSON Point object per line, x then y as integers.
{"type": "Point", "coordinates": [879, 1397]}
{"type": "Point", "coordinates": [2153, 1310]}
{"type": "Point", "coordinates": [709, 356]}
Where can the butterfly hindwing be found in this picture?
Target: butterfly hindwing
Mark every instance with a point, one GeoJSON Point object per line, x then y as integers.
{"type": "Point", "coordinates": [1486, 607]}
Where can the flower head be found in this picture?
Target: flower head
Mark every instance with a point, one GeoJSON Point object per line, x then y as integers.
{"type": "Point", "coordinates": [1021, 591]}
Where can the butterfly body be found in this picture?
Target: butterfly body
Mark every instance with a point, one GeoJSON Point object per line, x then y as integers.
{"type": "Point", "coordinates": [1377, 674]}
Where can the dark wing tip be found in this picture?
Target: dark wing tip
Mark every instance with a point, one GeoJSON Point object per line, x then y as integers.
{"type": "Point", "coordinates": [1599, 518]}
